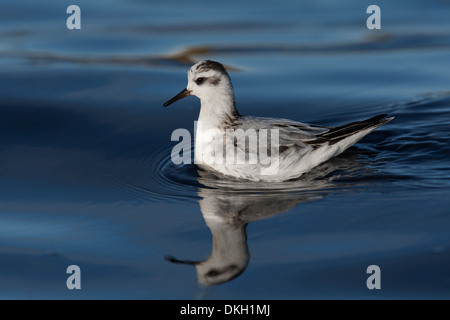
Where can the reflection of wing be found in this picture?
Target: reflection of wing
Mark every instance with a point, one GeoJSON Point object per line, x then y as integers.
{"type": "Point", "coordinates": [245, 208]}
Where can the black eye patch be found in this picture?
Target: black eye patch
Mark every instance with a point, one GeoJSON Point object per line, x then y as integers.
{"type": "Point", "coordinates": [200, 80]}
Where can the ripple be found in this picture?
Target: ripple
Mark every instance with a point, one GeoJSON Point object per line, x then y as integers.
{"type": "Point", "coordinates": [154, 176]}
{"type": "Point", "coordinates": [384, 42]}
{"type": "Point", "coordinates": [421, 127]}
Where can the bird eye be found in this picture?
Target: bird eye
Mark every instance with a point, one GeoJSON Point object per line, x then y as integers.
{"type": "Point", "coordinates": [200, 80]}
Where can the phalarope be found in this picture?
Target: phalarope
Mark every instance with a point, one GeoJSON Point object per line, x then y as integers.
{"type": "Point", "coordinates": [294, 147]}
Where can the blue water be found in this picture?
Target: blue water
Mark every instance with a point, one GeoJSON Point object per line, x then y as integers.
{"type": "Point", "coordinates": [86, 177]}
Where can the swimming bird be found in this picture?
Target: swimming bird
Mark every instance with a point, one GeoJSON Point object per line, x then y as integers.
{"type": "Point", "coordinates": [257, 148]}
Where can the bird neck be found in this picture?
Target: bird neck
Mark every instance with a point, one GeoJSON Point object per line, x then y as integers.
{"type": "Point", "coordinates": [218, 111]}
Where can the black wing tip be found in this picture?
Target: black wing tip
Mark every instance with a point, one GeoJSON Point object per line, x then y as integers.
{"type": "Point", "coordinates": [381, 118]}
{"type": "Point", "coordinates": [386, 120]}
{"type": "Point", "coordinates": [338, 133]}
{"type": "Point", "coordinates": [377, 121]}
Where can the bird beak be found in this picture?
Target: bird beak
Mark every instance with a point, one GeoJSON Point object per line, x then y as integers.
{"type": "Point", "coordinates": [179, 96]}
{"type": "Point", "coordinates": [175, 260]}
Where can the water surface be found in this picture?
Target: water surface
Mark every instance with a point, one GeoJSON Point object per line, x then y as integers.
{"type": "Point", "coordinates": [86, 176]}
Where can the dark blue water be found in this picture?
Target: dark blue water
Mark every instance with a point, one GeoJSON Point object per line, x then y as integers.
{"type": "Point", "coordinates": [86, 177]}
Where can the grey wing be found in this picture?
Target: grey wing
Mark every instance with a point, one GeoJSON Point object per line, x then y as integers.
{"type": "Point", "coordinates": [291, 133]}
{"type": "Point", "coordinates": [301, 135]}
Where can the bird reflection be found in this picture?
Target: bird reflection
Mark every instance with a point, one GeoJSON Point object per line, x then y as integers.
{"type": "Point", "coordinates": [229, 205]}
